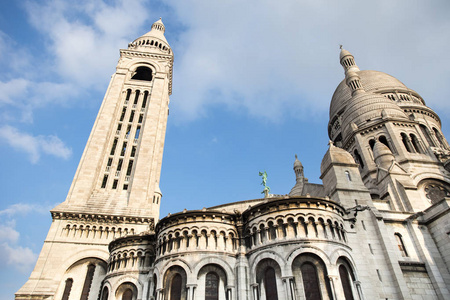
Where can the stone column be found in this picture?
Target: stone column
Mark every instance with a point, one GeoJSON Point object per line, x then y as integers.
{"type": "Point", "coordinates": [190, 291]}
{"type": "Point", "coordinates": [357, 284]}
{"type": "Point", "coordinates": [287, 282]}
{"type": "Point", "coordinates": [333, 279]}
{"type": "Point", "coordinates": [255, 291]}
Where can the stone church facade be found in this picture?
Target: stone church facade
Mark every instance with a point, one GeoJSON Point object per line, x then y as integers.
{"type": "Point", "coordinates": [377, 228]}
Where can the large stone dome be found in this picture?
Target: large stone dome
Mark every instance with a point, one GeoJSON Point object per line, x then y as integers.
{"type": "Point", "coordinates": [372, 81]}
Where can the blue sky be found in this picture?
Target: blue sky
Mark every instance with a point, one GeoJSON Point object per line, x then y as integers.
{"type": "Point", "coordinates": [252, 85]}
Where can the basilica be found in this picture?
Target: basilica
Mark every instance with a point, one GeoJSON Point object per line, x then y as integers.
{"type": "Point", "coordinates": [378, 227]}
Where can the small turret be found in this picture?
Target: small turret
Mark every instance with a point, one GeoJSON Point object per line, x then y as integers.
{"type": "Point", "coordinates": [300, 179]}
{"type": "Point", "coordinates": [351, 77]}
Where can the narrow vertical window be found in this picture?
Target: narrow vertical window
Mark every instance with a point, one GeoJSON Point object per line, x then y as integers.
{"type": "Point", "coordinates": [119, 128]}
{"type": "Point", "coordinates": [105, 180]}
{"type": "Point", "coordinates": [415, 143]}
{"type": "Point", "coordinates": [122, 116]}
{"type": "Point", "coordinates": [400, 245]}
{"type": "Point", "coordinates": [115, 182]}
{"type": "Point", "coordinates": [67, 289]}
{"type": "Point", "coordinates": [426, 133]}
{"type": "Point", "coordinates": [405, 141]}
{"type": "Point", "coordinates": [87, 282]}
{"type": "Point", "coordinates": [125, 187]}
{"type": "Point", "coordinates": [130, 167]}
{"type": "Point", "coordinates": [128, 131]}
{"type": "Point", "coordinates": [345, 280]}
{"type": "Point", "coordinates": [270, 284]}
{"type": "Point", "coordinates": [109, 162]}
{"type": "Point", "coordinates": [347, 175]}
{"type": "Point", "coordinates": [175, 287]}
{"type": "Point", "coordinates": [372, 143]}
{"type": "Point", "coordinates": [124, 148]}
{"type": "Point", "coordinates": [439, 137]}
{"type": "Point", "coordinates": [131, 116]}
{"type": "Point", "coordinates": [105, 293]}
{"type": "Point", "coordinates": [141, 117]}
{"type": "Point", "coordinates": [114, 145]}
{"type": "Point", "coordinates": [136, 97]}
{"type": "Point", "coordinates": [310, 281]}
{"type": "Point", "coordinates": [138, 130]}
{"type": "Point", "coordinates": [119, 165]}
{"type": "Point", "coordinates": [128, 95]}
{"type": "Point", "coordinates": [133, 151]}
{"type": "Point", "coordinates": [144, 101]}
{"type": "Point", "coordinates": [211, 286]}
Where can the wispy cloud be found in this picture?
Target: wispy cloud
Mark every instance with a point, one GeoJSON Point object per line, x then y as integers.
{"type": "Point", "coordinates": [11, 252]}
{"type": "Point", "coordinates": [34, 146]}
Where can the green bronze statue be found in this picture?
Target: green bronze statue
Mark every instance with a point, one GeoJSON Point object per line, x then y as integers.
{"type": "Point", "coordinates": [264, 183]}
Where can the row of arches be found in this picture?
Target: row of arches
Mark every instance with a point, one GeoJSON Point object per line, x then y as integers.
{"type": "Point", "coordinates": [310, 279]}
{"type": "Point", "coordinates": [153, 43]}
{"type": "Point", "coordinates": [201, 239]}
{"type": "Point", "coordinates": [130, 259]}
{"type": "Point", "coordinates": [301, 227]}
{"type": "Point", "coordinates": [94, 232]}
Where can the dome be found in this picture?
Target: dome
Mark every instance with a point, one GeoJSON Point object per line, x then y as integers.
{"type": "Point", "coordinates": [372, 81]}
{"type": "Point", "coordinates": [367, 107]}
{"type": "Point", "coordinates": [335, 155]}
{"type": "Point", "coordinates": [153, 40]}
{"type": "Point", "coordinates": [382, 155]}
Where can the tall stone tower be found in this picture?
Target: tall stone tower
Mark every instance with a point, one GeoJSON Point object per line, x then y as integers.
{"type": "Point", "coordinates": [115, 190]}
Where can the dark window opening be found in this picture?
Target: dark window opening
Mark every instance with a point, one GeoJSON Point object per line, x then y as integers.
{"type": "Point", "coordinates": [105, 180]}
{"type": "Point", "coordinates": [345, 280]}
{"type": "Point", "coordinates": [138, 129]}
{"type": "Point", "coordinates": [122, 116]}
{"type": "Point", "coordinates": [136, 97]}
{"type": "Point", "coordinates": [426, 133]}
{"type": "Point", "coordinates": [67, 289]}
{"type": "Point", "coordinates": [131, 116]}
{"type": "Point", "coordinates": [127, 295]}
{"type": "Point", "coordinates": [109, 162]}
{"type": "Point", "coordinates": [372, 144]}
{"type": "Point", "coordinates": [144, 101]}
{"type": "Point", "coordinates": [383, 140]}
{"type": "Point", "coordinates": [124, 148]}
{"type": "Point", "coordinates": [400, 245]}
{"type": "Point", "coordinates": [119, 165]}
{"type": "Point", "coordinates": [270, 284]}
{"type": "Point", "coordinates": [119, 127]}
{"type": "Point", "coordinates": [310, 282]}
{"type": "Point", "coordinates": [105, 293]}
{"type": "Point", "coordinates": [128, 131]}
{"type": "Point", "coordinates": [133, 151]}
{"type": "Point", "coordinates": [359, 158]}
{"type": "Point", "coordinates": [141, 117]}
{"type": "Point", "coordinates": [130, 167]}
{"type": "Point", "coordinates": [415, 142]}
{"type": "Point", "coordinates": [212, 286]}
{"type": "Point", "coordinates": [405, 141]}
{"type": "Point", "coordinates": [143, 73]}
{"type": "Point", "coordinates": [113, 148]}
{"type": "Point", "coordinates": [128, 95]}
{"type": "Point", "coordinates": [87, 282]}
{"type": "Point", "coordinates": [175, 288]}
{"type": "Point", "coordinates": [125, 187]}
{"type": "Point", "coordinates": [115, 182]}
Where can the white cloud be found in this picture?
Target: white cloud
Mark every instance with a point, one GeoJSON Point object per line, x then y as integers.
{"type": "Point", "coordinates": [34, 146]}
{"type": "Point", "coordinates": [21, 258]}
{"type": "Point", "coordinates": [270, 59]}
{"type": "Point", "coordinates": [23, 209]}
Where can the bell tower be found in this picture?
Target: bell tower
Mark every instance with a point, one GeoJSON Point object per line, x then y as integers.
{"type": "Point", "coordinates": [115, 190]}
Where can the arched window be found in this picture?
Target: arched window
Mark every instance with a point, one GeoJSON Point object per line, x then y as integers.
{"type": "Point", "coordinates": [175, 287]}
{"type": "Point", "coordinates": [345, 280]}
{"type": "Point", "coordinates": [439, 137]}
{"type": "Point", "coordinates": [88, 282]}
{"type": "Point", "coordinates": [400, 245]}
{"type": "Point", "coordinates": [154, 285]}
{"type": "Point", "coordinates": [383, 140]}
{"type": "Point", "coordinates": [372, 143]}
{"type": "Point", "coordinates": [67, 289]}
{"type": "Point", "coordinates": [143, 73]}
{"type": "Point", "coordinates": [310, 281]}
{"type": "Point", "coordinates": [127, 295]}
{"type": "Point", "coordinates": [105, 293]}
{"type": "Point", "coordinates": [415, 143]}
{"type": "Point", "coordinates": [426, 133]}
{"type": "Point", "coordinates": [405, 141]}
{"type": "Point", "coordinates": [270, 284]}
{"type": "Point", "coordinates": [347, 175]}
{"type": "Point", "coordinates": [211, 286]}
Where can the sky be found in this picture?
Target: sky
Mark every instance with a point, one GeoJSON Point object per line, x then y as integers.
{"type": "Point", "coordinates": [252, 86]}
